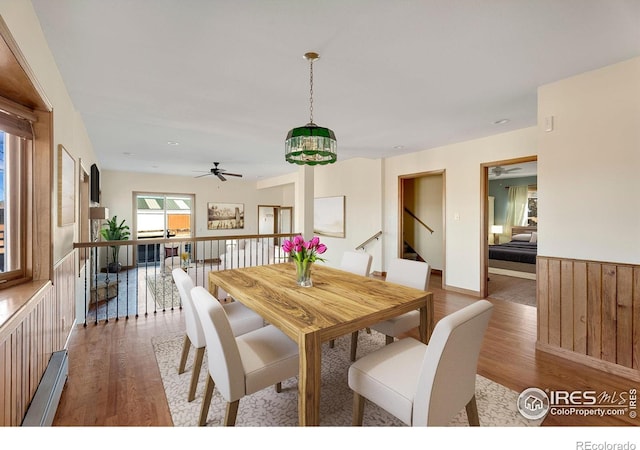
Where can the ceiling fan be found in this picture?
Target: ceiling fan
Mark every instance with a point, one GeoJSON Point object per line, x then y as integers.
{"type": "Point", "coordinates": [220, 173]}
{"type": "Point", "coordinates": [499, 170]}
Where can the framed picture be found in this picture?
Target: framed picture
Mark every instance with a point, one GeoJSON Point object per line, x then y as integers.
{"type": "Point", "coordinates": [225, 216]}
{"type": "Point", "coordinates": [66, 187]}
{"type": "Point", "coordinates": [328, 216]}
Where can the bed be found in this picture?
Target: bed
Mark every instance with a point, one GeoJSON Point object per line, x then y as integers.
{"type": "Point", "coordinates": [519, 254]}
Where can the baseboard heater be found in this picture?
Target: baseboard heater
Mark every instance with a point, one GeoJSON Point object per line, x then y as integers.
{"type": "Point", "coordinates": [43, 407]}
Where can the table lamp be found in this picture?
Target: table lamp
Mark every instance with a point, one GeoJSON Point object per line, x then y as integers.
{"type": "Point", "coordinates": [497, 231]}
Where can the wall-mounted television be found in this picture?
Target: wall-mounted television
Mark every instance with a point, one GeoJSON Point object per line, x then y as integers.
{"type": "Point", "coordinates": [95, 184]}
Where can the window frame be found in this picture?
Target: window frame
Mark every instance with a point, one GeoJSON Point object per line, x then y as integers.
{"type": "Point", "coordinates": [17, 190]}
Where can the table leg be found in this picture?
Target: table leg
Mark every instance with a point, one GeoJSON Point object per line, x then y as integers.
{"type": "Point", "coordinates": [309, 380]}
{"type": "Point", "coordinates": [427, 320]}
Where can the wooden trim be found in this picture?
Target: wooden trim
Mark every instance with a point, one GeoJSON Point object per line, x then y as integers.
{"type": "Point", "coordinates": [43, 187]}
{"type": "Point", "coordinates": [400, 233]}
{"type": "Point", "coordinates": [590, 310]}
{"type": "Point", "coordinates": [30, 88]}
{"type": "Point", "coordinates": [484, 216]}
{"type": "Point", "coordinates": [590, 361]}
{"type": "Point", "coordinates": [17, 109]}
{"type": "Point", "coordinates": [38, 328]}
{"type": "Point", "coordinates": [462, 291]}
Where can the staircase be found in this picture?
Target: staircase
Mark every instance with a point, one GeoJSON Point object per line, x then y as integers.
{"type": "Point", "coordinates": [409, 253]}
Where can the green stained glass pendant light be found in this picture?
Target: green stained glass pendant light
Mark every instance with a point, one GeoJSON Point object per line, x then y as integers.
{"type": "Point", "coordinates": [311, 144]}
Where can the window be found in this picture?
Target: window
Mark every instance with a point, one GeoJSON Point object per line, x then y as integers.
{"type": "Point", "coordinates": [532, 206]}
{"type": "Point", "coordinates": [162, 216]}
{"type": "Point", "coordinates": [26, 167]}
{"type": "Point", "coordinates": [13, 154]}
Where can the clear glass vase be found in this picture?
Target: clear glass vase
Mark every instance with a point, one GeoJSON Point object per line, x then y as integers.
{"type": "Point", "coordinates": [303, 273]}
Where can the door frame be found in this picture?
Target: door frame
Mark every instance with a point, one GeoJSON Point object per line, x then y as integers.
{"type": "Point", "coordinates": [484, 216]}
{"type": "Point", "coordinates": [400, 234]}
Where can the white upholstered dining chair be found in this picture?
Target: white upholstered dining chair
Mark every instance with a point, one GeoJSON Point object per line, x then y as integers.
{"type": "Point", "coordinates": [360, 264]}
{"type": "Point", "coordinates": [356, 262]}
{"type": "Point", "coordinates": [408, 273]}
{"type": "Point", "coordinates": [425, 385]}
{"type": "Point", "coordinates": [242, 320]}
{"type": "Point", "coordinates": [240, 365]}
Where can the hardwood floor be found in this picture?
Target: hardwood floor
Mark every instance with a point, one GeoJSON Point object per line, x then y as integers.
{"type": "Point", "coordinates": [114, 379]}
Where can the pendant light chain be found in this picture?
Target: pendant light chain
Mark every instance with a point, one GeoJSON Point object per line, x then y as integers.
{"type": "Point", "coordinates": [310, 144]}
{"type": "Point", "coordinates": [311, 91]}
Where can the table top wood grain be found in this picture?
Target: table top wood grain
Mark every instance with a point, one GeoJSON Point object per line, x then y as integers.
{"type": "Point", "coordinates": [337, 303]}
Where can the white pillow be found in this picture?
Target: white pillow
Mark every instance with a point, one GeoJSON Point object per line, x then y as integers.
{"type": "Point", "coordinates": [524, 237]}
{"type": "Point", "coordinates": [534, 237]}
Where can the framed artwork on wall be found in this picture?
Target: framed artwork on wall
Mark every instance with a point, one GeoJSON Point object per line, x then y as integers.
{"type": "Point", "coordinates": [66, 187]}
{"type": "Point", "coordinates": [328, 216]}
{"type": "Point", "coordinates": [225, 216]}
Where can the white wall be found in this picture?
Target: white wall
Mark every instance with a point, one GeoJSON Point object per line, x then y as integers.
{"type": "Point", "coordinates": [589, 165]}
{"type": "Point", "coordinates": [118, 189]}
{"type": "Point", "coordinates": [359, 180]}
{"type": "Point", "coordinates": [461, 162]}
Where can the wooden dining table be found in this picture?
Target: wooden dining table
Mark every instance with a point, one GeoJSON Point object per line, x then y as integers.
{"type": "Point", "coordinates": [338, 303]}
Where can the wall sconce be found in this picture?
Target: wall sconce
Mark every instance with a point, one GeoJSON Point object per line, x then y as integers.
{"type": "Point", "coordinates": [497, 231]}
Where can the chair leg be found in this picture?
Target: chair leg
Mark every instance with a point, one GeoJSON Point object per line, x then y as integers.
{"type": "Point", "coordinates": [368, 330]}
{"type": "Point", "coordinates": [332, 343]}
{"type": "Point", "coordinates": [472, 412]}
{"type": "Point", "coordinates": [197, 365]}
{"type": "Point", "coordinates": [232, 412]}
{"type": "Point", "coordinates": [354, 345]}
{"type": "Point", "coordinates": [388, 340]}
{"type": "Point", "coordinates": [185, 352]}
{"type": "Point", "coordinates": [358, 409]}
{"type": "Point", "coordinates": [206, 401]}
{"type": "Point", "coordinates": [278, 387]}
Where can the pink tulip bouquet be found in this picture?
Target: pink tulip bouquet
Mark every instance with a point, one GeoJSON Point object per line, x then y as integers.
{"type": "Point", "coordinates": [304, 254]}
{"type": "Point", "coordinates": [301, 250]}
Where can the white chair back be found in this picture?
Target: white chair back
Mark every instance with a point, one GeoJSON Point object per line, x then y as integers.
{"type": "Point", "coordinates": [223, 356]}
{"type": "Point", "coordinates": [356, 262]}
{"type": "Point", "coordinates": [184, 283]}
{"type": "Point", "coordinates": [409, 273]}
{"type": "Point", "coordinates": [448, 375]}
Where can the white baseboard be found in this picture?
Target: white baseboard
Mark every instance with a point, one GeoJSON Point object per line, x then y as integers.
{"type": "Point", "coordinates": [512, 273]}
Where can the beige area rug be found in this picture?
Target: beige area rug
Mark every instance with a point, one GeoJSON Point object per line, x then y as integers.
{"type": "Point", "coordinates": [164, 291]}
{"type": "Point", "coordinates": [496, 403]}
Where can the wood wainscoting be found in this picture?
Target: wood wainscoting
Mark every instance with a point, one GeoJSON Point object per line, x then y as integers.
{"type": "Point", "coordinates": [589, 312]}
{"type": "Point", "coordinates": [27, 340]}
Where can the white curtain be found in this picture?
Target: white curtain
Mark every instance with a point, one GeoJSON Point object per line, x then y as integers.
{"type": "Point", "coordinates": [516, 208]}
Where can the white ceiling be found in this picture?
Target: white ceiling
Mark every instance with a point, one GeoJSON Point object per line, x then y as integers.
{"type": "Point", "coordinates": [227, 80]}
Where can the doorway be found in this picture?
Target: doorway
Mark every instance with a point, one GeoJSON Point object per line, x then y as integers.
{"type": "Point", "coordinates": [273, 219]}
{"type": "Point", "coordinates": [509, 230]}
{"type": "Point", "coordinates": [421, 220]}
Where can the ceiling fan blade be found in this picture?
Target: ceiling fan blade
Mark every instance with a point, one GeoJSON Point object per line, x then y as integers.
{"type": "Point", "coordinates": [513, 169]}
{"type": "Point", "coordinates": [221, 177]}
{"type": "Point", "coordinates": [203, 175]}
{"type": "Point", "coordinates": [233, 174]}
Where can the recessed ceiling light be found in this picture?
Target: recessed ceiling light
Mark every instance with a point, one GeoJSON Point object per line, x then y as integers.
{"type": "Point", "coordinates": [173, 143]}
{"type": "Point", "coordinates": [127, 153]}
{"type": "Point", "coordinates": [398, 147]}
{"type": "Point", "coordinates": [501, 121]}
